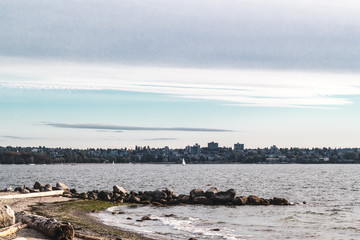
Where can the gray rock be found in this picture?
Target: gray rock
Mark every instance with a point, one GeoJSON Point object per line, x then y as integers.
{"type": "Point", "coordinates": [48, 188]}
{"type": "Point", "coordinates": [196, 193]}
{"type": "Point", "coordinates": [118, 189]}
{"type": "Point", "coordinates": [169, 192]}
{"type": "Point", "coordinates": [224, 197]}
{"type": "Point", "coordinates": [202, 200]}
{"type": "Point", "coordinates": [211, 191]}
{"type": "Point", "coordinates": [105, 195]}
{"type": "Point", "coordinates": [38, 185]}
{"type": "Point", "coordinates": [183, 199]}
{"type": "Point", "coordinates": [7, 216]}
{"type": "Point", "coordinates": [62, 186]}
{"type": "Point", "coordinates": [25, 190]}
{"type": "Point", "coordinates": [73, 191]}
{"type": "Point", "coordinates": [279, 201]}
{"type": "Point", "coordinates": [240, 200]}
{"type": "Point", "coordinates": [8, 189]}
{"type": "Point", "coordinates": [93, 195]}
{"type": "Point", "coordinates": [148, 195]}
{"type": "Point", "coordinates": [157, 195]}
{"type": "Point", "coordinates": [84, 195]}
{"type": "Point", "coordinates": [134, 199]}
{"type": "Point", "coordinates": [255, 200]}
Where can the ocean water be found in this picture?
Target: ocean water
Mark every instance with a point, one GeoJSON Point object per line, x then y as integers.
{"type": "Point", "coordinates": [331, 193]}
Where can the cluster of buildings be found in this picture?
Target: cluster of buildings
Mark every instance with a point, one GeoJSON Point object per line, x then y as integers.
{"type": "Point", "coordinates": [192, 154]}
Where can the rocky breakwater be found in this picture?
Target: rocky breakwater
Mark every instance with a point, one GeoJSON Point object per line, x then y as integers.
{"type": "Point", "coordinates": [166, 196]}
{"type": "Point", "coordinates": [38, 187]}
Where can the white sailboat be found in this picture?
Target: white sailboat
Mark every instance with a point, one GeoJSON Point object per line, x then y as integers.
{"type": "Point", "coordinates": [183, 162]}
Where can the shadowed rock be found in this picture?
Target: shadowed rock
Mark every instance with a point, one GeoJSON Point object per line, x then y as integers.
{"type": "Point", "coordinates": [202, 200]}
{"type": "Point", "coordinates": [196, 193]}
{"type": "Point", "coordinates": [61, 186]}
{"type": "Point", "coordinates": [279, 201]}
{"type": "Point", "coordinates": [211, 192]}
{"type": "Point", "coordinates": [255, 200]}
{"type": "Point", "coordinates": [224, 197]}
{"type": "Point", "coordinates": [118, 189]}
{"type": "Point", "coordinates": [239, 201]}
{"type": "Point", "coordinates": [38, 185]}
{"type": "Point", "coordinates": [105, 195]}
{"type": "Point", "coordinates": [47, 188]}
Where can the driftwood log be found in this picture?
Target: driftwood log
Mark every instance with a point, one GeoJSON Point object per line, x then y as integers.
{"type": "Point", "coordinates": [30, 195]}
{"type": "Point", "coordinates": [50, 227]}
{"type": "Point", "coordinates": [86, 237]}
{"type": "Point", "coordinates": [7, 216]}
{"type": "Point", "coordinates": [12, 229]}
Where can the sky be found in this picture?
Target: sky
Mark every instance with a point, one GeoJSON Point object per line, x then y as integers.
{"type": "Point", "coordinates": [115, 74]}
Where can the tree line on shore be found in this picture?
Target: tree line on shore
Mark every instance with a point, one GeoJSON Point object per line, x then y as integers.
{"type": "Point", "coordinates": [42, 155]}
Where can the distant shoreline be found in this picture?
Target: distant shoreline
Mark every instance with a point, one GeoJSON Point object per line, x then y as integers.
{"type": "Point", "coordinates": [201, 163]}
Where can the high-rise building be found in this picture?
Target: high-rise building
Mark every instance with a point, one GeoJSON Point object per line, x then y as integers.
{"type": "Point", "coordinates": [238, 147]}
{"type": "Point", "coordinates": [213, 145]}
{"type": "Point", "coordinates": [195, 149]}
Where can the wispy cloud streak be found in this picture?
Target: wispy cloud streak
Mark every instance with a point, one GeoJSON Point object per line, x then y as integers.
{"type": "Point", "coordinates": [132, 128]}
{"type": "Point", "coordinates": [18, 138]}
{"type": "Point", "coordinates": [160, 139]}
{"type": "Point", "coordinates": [238, 87]}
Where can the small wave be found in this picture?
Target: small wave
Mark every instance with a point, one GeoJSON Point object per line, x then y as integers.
{"type": "Point", "coordinates": [315, 213]}
{"type": "Point", "coordinates": [192, 226]}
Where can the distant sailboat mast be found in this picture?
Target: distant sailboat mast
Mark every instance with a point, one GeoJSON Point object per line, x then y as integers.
{"type": "Point", "coordinates": [183, 162]}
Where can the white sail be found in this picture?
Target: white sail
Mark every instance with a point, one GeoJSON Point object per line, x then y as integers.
{"type": "Point", "coordinates": [183, 162]}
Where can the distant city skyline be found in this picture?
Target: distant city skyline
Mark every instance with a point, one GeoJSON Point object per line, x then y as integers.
{"type": "Point", "coordinates": [116, 74]}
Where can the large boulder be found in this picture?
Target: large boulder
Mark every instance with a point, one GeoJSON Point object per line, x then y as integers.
{"type": "Point", "coordinates": [279, 201]}
{"type": "Point", "coordinates": [93, 195]}
{"type": "Point", "coordinates": [158, 194]}
{"type": "Point", "coordinates": [25, 190]}
{"type": "Point", "coordinates": [255, 200]}
{"type": "Point", "coordinates": [48, 188]}
{"type": "Point", "coordinates": [7, 216]}
{"type": "Point", "coordinates": [196, 193]}
{"type": "Point", "coordinates": [212, 191]}
{"type": "Point", "coordinates": [84, 195]}
{"type": "Point", "coordinates": [183, 199]}
{"type": "Point", "coordinates": [224, 197]}
{"type": "Point", "coordinates": [202, 200]}
{"type": "Point", "coordinates": [169, 192]}
{"type": "Point", "coordinates": [148, 196]}
{"type": "Point", "coordinates": [240, 200]}
{"type": "Point", "coordinates": [118, 189]}
{"type": "Point", "coordinates": [62, 186]}
{"type": "Point", "coordinates": [8, 189]}
{"type": "Point", "coordinates": [38, 185]}
{"type": "Point", "coordinates": [105, 195]}
{"type": "Point", "coordinates": [134, 199]}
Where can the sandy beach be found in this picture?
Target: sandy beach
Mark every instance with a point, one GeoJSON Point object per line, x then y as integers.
{"type": "Point", "coordinates": [19, 205]}
{"type": "Point", "coordinates": [27, 205]}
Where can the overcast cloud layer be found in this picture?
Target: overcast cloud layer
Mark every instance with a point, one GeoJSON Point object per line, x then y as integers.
{"type": "Point", "coordinates": [213, 33]}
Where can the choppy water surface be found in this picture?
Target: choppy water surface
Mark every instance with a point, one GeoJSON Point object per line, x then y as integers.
{"type": "Point", "coordinates": [332, 193]}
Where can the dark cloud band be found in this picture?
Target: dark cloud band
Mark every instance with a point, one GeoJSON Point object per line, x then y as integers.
{"type": "Point", "coordinates": [132, 128]}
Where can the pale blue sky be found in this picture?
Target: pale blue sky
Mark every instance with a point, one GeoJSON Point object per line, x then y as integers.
{"type": "Point", "coordinates": [124, 73]}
